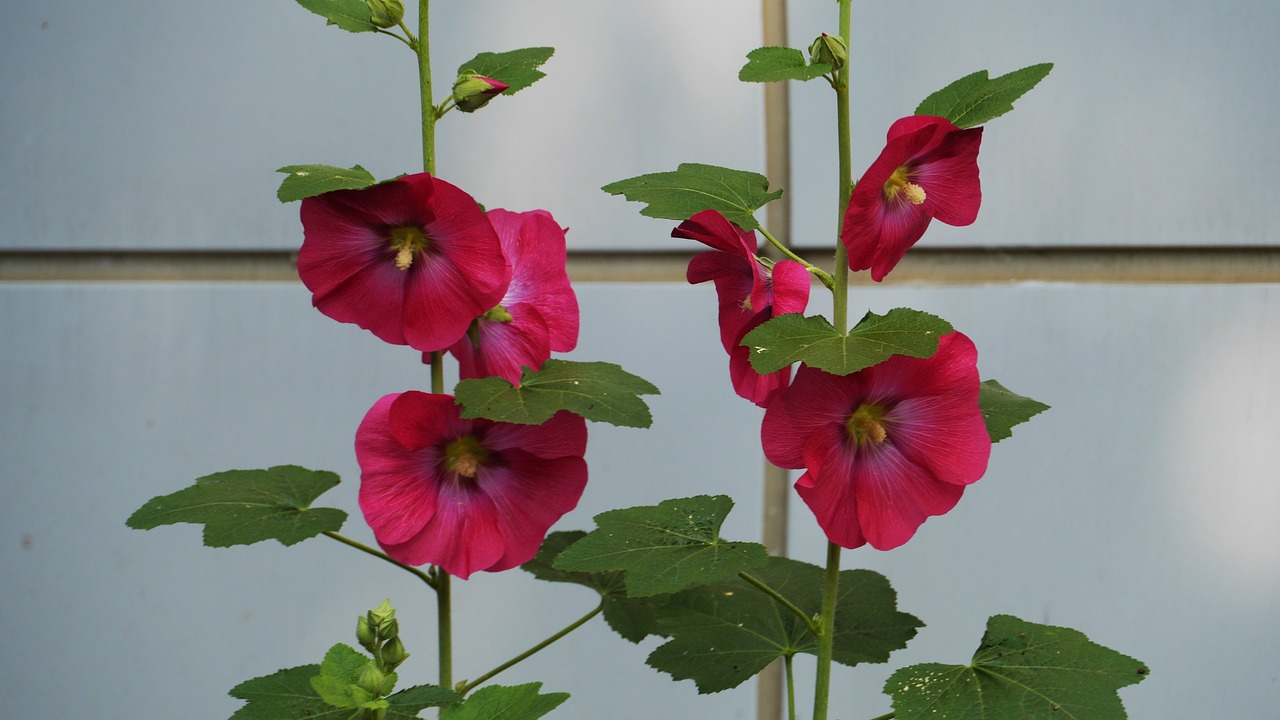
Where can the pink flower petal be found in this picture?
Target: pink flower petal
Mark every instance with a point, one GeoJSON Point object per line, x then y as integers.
{"type": "Point", "coordinates": [557, 484]}
{"type": "Point", "coordinates": [535, 245]}
{"type": "Point", "coordinates": [879, 489]}
{"type": "Point", "coordinates": [711, 228]}
{"type": "Point", "coordinates": [349, 260]}
{"type": "Point", "coordinates": [942, 161]}
{"type": "Point", "coordinates": [564, 435]}
{"type": "Point", "coordinates": [395, 500]}
{"type": "Point", "coordinates": [502, 349]}
{"type": "Point", "coordinates": [462, 537]}
{"type": "Point", "coordinates": [425, 508]}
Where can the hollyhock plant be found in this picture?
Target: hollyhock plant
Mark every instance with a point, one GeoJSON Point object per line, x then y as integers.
{"type": "Point", "coordinates": [413, 260]}
{"type": "Point", "coordinates": [883, 448]}
{"type": "Point", "coordinates": [749, 294]}
{"type": "Point", "coordinates": [539, 313]}
{"type": "Point", "coordinates": [465, 495]}
{"type": "Point", "coordinates": [928, 169]}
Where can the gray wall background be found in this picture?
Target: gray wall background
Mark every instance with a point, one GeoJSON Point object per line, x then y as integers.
{"type": "Point", "coordinates": [1140, 510]}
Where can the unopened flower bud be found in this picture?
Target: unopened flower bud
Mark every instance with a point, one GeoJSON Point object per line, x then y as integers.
{"type": "Point", "coordinates": [365, 633]}
{"type": "Point", "coordinates": [472, 92]}
{"type": "Point", "coordinates": [393, 653]}
{"type": "Point", "coordinates": [389, 628]}
{"type": "Point", "coordinates": [372, 680]}
{"type": "Point", "coordinates": [382, 613]}
{"type": "Point", "coordinates": [829, 50]}
{"type": "Point", "coordinates": [385, 13]}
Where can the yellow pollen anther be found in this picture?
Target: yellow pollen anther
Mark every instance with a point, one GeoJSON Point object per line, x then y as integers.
{"type": "Point", "coordinates": [407, 241]}
{"type": "Point", "coordinates": [404, 258]}
{"type": "Point", "coordinates": [913, 193]}
{"type": "Point", "coordinates": [466, 466]}
{"type": "Point", "coordinates": [465, 456]}
{"type": "Point", "coordinates": [900, 182]}
{"type": "Point", "coordinates": [865, 424]}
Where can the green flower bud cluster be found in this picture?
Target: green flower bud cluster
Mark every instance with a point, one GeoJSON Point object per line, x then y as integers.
{"type": "Point", "coordinates": [377, 631]}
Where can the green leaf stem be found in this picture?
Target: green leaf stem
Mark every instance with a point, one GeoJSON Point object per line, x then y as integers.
{"type": "Point", "coordinates": [499, 702]}
{"type": "Point", "coordinates": [692, 188]}
{"type": "Point", "coordinates": [663, 548]}
{"type": "Point", "coordinates": [306, 181]}
{"type": "Point", "coordinates": [350, 15]}
{"type": "Point", "coordinates": [975, 99]}
{"type": "Point", "coordinates": [598, 391]}
{"type": "Point", "coordinates": [1002, 409]}
{"type": "Point", "coordinates": [517, 68]}
{"type": "Point", "coordinates": [774, 64]}
{"type": "Point", "coordinates": [242, 507]}
{"type": "Point", "coordinates": [1020, 670]}
{"type": "Point", "coordinates": [724, 633]}
{"type": "Point", "coordinates": [792, 338]}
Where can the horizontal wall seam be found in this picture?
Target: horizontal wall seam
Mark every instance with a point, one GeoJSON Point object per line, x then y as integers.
{"type": "Point", "coordinates": [926, 265]}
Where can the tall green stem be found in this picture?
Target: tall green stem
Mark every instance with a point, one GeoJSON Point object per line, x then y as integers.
{"type": "Point", "coordinates": [840, 288]}
{"type": "Point", "coordinates": [444, 625]}
{"type": "Point", "coordinates": [424, 82]}
{"type": "Point", "coordinates": [822, 684]}
{"type": "Point", "coordinates": [444, 600]}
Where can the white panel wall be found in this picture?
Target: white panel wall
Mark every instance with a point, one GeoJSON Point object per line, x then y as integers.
{"type": "Point", "coordinates": [1140, 509]}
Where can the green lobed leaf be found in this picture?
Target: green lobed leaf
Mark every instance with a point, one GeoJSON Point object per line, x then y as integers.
{"type": "Point", "coordinates": [724, 633]}
{"type": "Point", "coordinates": [242, 507]}
{"type": "Point", "coordinates": [632, 618]}
{"type": "Point", "coordinates": [692, 188]}
{"type": "Point", "coordinates": [774, 64]}
{"type": "Point", "coordinates": [663, 548]}
{"type": "Point", "coordinates": [1002, 409]}
{"type": "Point", "coordinates": [499, 702]}
{"type": "Point", "coordinates": [284, 695]}
{"type": "Point", "coordinates": [598, 391]}
{"type": "Point", "coordinates": [306, 181]}
{"type": "Point", "coordinates": [788, 339]}
{"type": "Point", "coordinates": [974, 99]}
{"type": "Point", "coordinates": [1021, 670]}
{"type": "Point", "coordinates": [350, 15]}
{"type": "Point", "coordinates": [287, 695]}
{"type": "Point", "coordinates": [407, 703]}
{"type": "Point", "coordinates": [517, 68]}
{"type": "Point", "coordinates": [338, 673]}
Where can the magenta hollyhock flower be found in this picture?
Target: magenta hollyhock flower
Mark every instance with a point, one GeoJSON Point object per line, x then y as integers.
{"type": "Point", "coordinates": [749, 294]}
{"type": "Point", "coordinates": [539, 313]}
{"type": "Point", "coordinates": [883, 448]}
{"type": "Point", "coordinates": [413, 260]}
{"type": "Point", "coordinates": [928, 169]}
{"type": "Point", "coordinates": [465, 495]}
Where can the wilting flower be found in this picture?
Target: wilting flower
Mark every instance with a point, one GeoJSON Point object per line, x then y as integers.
{"type": "Point", "coordinates": [883, 448]}
{"type": "Point", "coordinates": [928, 169]}
{"type": "Point", "coordinates": [465, 495]}
{"type": "Point", "coordinates": [538, 315]}
{"type": "Point", "coordinates": [749, 294]}
{"type": "Point", "coordinates": [413, 260]}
